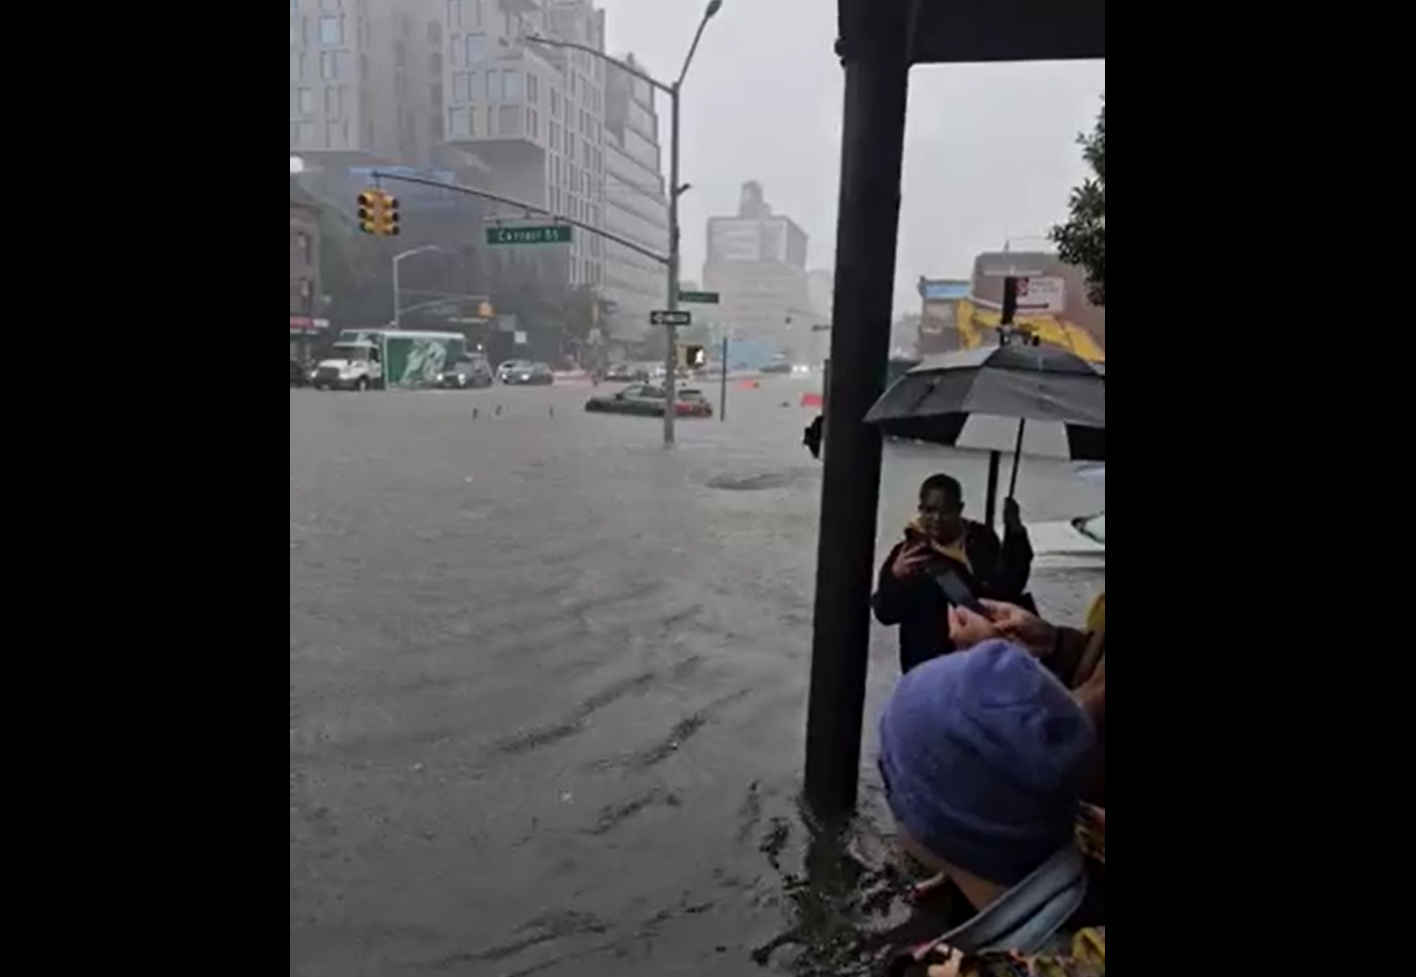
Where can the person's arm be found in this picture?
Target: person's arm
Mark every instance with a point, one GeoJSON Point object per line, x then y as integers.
{"type": "Point", "coordinates": [1084, 957]}
{"type": "Point", "coordinates": [891, 597]}
{"type": "Point", "coordinates": [1064, 654]}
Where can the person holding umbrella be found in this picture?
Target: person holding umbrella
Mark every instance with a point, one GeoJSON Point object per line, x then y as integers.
{"type": "Point", "coordinates": [940, 540]}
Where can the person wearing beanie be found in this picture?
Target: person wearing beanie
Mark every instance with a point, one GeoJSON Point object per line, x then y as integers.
{"type": "Point", "coordinates": [983, 754]}
{"type": "Point", "coordinates": [1077, 657]}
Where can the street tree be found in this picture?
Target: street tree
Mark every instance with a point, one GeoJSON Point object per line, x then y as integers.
{"type": "Point", "coordinates": [1081, 240]}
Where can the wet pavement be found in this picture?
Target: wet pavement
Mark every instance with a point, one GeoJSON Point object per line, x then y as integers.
{"type": "Point", "coordinates": [547, 685]}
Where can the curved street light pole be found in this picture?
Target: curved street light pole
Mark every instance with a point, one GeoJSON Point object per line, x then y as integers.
{"type": "Point", "coordinates": [397, 304]}
{"type": "Point", "coordinates": [675, 189]}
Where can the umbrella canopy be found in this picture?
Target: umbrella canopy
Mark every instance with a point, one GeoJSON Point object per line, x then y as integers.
{"type": "Point", "coordinates": [933, 401]}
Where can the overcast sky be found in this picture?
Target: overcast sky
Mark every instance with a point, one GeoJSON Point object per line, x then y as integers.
{"type": "Point", "coordinates": [990, 150]}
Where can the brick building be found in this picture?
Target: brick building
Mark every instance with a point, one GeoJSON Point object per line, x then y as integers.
{"type": "Point", "coordinates": [304, 271]}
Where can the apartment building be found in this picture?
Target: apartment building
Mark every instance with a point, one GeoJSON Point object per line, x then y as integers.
{"type": "Point", "coordinates": [304, 270]}
{"type": "Point", "coordinates": [636, 204]}
{"type": "Point", "coordinates": [533, 114]}
{"type": "Point", "coordinates": [757, 262]}
{"type": "Point", "coordinates": [366, 79]}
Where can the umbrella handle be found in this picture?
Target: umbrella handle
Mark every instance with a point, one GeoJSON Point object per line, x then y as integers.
{"type": "Point", "coordinates": [1017, 456]}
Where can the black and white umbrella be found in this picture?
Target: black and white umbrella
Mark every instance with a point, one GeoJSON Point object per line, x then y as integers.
{"type": "Point", "coordinates": [979, 397]}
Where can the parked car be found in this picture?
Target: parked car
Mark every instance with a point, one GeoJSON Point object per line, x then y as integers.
{"type": "Point", "coordinates": [523, 373]}
{"type": "Point", "coordinates": [467, 375]}
{"type": "Point", "coordinates": [645, 400]}
{"type": "Point", "coordinates": [627, 373]}
{"type": "Point", "coordinates": [298, 376]}
{"type": "Point", "coordinates": [511, 366]}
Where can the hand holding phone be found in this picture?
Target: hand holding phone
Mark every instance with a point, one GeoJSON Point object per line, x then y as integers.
{"type": "Point", "coordinates": [957, 592]}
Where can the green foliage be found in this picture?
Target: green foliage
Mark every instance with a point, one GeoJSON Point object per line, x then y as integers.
{"type": "Point", "coordinates": [1082, 239]}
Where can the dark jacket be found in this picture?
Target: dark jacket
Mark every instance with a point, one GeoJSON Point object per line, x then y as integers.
{"type": "Point", "coordinates": [1000, 572]}
{"type": "Point", "coordinates": [1079, 660]}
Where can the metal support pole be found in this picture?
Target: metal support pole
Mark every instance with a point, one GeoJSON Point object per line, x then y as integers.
{"type": "Point", "coordinates": [671, 331]}
{"type": "Point", "coordinates": [872, 144]}
{"type": "Point", "coordinates": [397, 305]}
{"type": "Point", "coordinates": [723, 383]}
{"type": "Point", "coordinates": [990, 498]}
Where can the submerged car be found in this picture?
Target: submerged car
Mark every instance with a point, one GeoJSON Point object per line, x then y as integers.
{"type": "Point", "coordinates": [627, 373]}
{"type": "Point", "coordinates": [524, 373]}
{"type": "Point", "coordinates": [467, 375]}
{"type": "Point", "coordinates": [645, 400]}
{"type": "Point", "coordinates": [1071, 544]}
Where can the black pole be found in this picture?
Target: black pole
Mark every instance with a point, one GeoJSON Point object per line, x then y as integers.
{"type": "Point", "coordinates": [868, 219]}
{"type": "Point", "coordinates": [1017, 456]}
{"type": "Point", "coordinates": [1005, 330]}
{"type": "Point", "coordinates": [990, 502]}
{"type": "Point", "coordinates": [723, 385]}
{"type": "Point", "coordinates": [1010, 303]}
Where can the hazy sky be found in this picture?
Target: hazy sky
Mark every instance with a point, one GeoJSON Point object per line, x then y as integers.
{"type": "Point", "coordinates": [990, 150]}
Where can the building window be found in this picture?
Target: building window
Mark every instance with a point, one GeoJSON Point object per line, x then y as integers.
{"type": "Point", "coordinates": [330, 6]}
{"type": "Point", "coordinates": [476, 48]}
{"type": "Point", "coordinates": [493, 90]}
{"type": "Point", "coordinates": [434, 32]}
{"type": "Point", "coordinates": [459, 122]}
{"type": "Point", "coordinates": [304, 102]}
{"type": "Point", "coordinates": [329, 65]}
{"type": "Point", "coordinates": [511, 86]}
{"type": "Point", "coordinates": [555, 103]}
{"type": "Point", "coordinates": [297, 31]}
{"type": "Point", "coordinates": [331, 30]}
{"type": "Point", "coordinates": [531, 123]}
{"type": "Point", "coordinates": [462, 86]}
{"type": "Point", "coordinates": [332, 135]}
{"type": "Point", "coordinates": [510, 119]}
{"type": "Point", "coordinates": [532, 88]}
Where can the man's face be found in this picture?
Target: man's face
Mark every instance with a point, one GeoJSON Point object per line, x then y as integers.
{"type": "Point", "coordinates": [939, 515]}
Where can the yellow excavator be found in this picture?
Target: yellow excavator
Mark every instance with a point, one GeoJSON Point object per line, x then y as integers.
{"type": "Point", "coordinates": [972, 320]}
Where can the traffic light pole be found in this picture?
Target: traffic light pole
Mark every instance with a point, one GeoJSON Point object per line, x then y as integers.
{"type": "Point", "coordinates": [675, 190]}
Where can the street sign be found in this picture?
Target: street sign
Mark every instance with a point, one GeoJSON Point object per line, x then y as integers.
{"type": "Point", "coordinates": [663, 317]}
{"type": "Point", "coordinates": [541, 234]}
{"type": "Point", "coordinates": [1041, 295]}
{"type": "Point", "coordinates": [701, 298]}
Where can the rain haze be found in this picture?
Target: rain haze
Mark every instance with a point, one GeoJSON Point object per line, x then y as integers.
{"type": "Point", "coordinates": [990, 150]}
{"type": "Point", "coordinates": [558, 495]}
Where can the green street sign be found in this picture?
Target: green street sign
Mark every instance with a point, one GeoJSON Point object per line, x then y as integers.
{"type": "Point", "coordinates": [701, 298]}
{"type": "Point", "coordinates": [542, 234]}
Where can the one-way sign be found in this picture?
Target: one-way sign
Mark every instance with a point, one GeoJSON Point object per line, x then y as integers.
{"type": "Point", "coordinates": [664, 317]}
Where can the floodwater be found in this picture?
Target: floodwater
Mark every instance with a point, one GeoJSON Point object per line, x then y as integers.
{"type": "Point", "coordinates": [547, 687]}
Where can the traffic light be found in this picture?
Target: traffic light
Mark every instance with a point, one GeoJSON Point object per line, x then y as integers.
{"type": "Point", "coordinates": [378, 212]}
{"type": "Point", "coordinates": [390, 214]}
{"type": "Point", "coordinates": [692, 357]}
{"type": "Point", "coordinates": [370, 211]}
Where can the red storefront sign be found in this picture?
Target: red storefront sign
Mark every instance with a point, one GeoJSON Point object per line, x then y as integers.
{"type": "Point", "coordinates": [304, 324]}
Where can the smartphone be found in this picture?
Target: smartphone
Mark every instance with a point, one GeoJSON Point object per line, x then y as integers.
{"type": "Point", "coordinates": [957, 592]}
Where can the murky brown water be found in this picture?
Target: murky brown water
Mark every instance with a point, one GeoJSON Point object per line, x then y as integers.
{"type": "Point", "coordinates": [547, 688]}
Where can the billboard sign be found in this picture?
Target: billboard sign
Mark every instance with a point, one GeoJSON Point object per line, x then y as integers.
{"type": "Point", "coordinates": [1042, 295]}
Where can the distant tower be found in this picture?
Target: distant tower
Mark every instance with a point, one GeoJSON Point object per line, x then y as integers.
{"type": "Point", "coordinates": [753, 204]}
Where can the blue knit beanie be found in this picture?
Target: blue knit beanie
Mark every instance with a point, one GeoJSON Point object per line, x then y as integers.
{"type": "Point", "coordinates": [983, 754]}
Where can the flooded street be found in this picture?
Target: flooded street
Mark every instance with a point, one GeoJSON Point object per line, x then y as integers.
{"type": "Point", "coordinates": [547, 680]}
